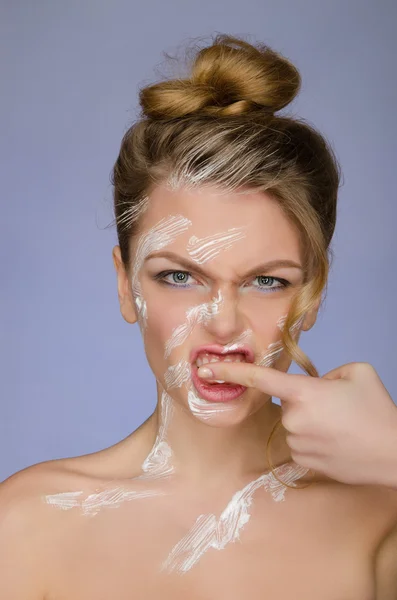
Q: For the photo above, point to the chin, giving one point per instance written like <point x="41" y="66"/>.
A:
<point x="222" y="414"/>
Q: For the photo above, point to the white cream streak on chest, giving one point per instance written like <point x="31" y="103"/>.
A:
<point x="110" y="497"/>
<point x="157" y="465"/>
<point x="203" y="249"/>
<point x="212" y="532"/>
<point x="162" y="234"/>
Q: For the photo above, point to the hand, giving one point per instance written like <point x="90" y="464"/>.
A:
<point x="343" y="424"/>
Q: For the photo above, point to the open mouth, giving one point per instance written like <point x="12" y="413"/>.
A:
<point x="217" y="391"/>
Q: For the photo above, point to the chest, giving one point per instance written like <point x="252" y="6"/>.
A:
<point x="298" y="550"/>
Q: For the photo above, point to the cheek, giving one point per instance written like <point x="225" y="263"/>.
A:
<point x="164" y="317"/>
<point x="265" y="316"/>
<point x="266" y="305"/>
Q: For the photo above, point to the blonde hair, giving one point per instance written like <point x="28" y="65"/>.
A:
<point x="218" y="127"/>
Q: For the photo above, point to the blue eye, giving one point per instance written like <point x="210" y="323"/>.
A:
<point x="179" y="279"/>
<point x="265" y="278"/>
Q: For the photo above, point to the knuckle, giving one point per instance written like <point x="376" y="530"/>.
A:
<point x="363" y="367"/>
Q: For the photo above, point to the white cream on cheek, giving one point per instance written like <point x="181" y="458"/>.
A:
<point x="275" y="349"/>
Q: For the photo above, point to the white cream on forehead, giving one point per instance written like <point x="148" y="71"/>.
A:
<point x="204" y="249"/>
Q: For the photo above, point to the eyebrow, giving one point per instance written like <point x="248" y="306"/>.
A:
<point x="192" y="266"/>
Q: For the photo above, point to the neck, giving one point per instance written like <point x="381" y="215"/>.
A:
<point x="206" y="454"/>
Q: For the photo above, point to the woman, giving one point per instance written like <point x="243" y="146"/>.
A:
<point x="225" y="213"/>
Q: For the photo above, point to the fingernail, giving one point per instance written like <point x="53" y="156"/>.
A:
<point x="205" y="372"/>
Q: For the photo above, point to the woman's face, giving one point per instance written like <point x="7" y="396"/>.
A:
<point x="212" y="243"/>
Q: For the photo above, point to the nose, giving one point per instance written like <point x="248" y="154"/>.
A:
<point x="225" y="321"/>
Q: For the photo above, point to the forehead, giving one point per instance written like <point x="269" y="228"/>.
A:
<point x="211" y="210"/>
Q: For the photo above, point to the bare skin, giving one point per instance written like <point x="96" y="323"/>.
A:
<point x="323" y="541"/>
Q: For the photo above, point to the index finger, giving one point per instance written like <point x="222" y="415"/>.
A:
<point x="287" y="386"/>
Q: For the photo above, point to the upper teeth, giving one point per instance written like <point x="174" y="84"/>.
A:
<point x="208" y="358"/>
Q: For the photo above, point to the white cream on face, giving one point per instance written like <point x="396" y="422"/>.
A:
<point x="274" y="350"/>
<point x="180" y="374"/>
<point x="204" y="249"/>
<point x="177" y="375"/>
<point x="204" y="410"/>
<point x="200" y="408"/>
<point x="162" y="234"/>
<point x="195" y="315"/>
<point x="212" y="532"/>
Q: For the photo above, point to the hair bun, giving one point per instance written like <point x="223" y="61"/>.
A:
<point x="230" y="77"/>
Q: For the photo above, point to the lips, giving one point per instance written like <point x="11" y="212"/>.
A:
<point x="218" y="392"/>
<point x="218" y="349"/>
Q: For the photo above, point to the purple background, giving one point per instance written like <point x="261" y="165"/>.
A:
<point x="74" y="377"/>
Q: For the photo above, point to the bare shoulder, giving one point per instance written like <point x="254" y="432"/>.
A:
<point x="23" y="531"/>
<point x="29" y="527"/>
<point x="24" y="489"/>
<point x="22" y="494"/>
<point x="375" y="507"/>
